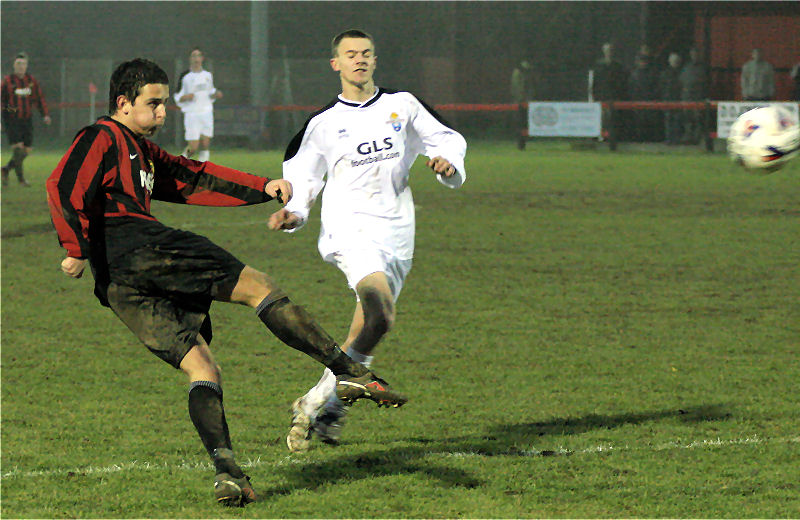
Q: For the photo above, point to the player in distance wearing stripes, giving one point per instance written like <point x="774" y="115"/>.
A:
<point x="161" y="281"/>
<point x="20" y="93"/>
<point x="364" y="141"/>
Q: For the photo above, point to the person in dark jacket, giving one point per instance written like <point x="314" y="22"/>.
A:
<point x="671" y="91"/>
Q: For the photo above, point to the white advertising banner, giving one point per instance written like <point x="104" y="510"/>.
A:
<point x="728" y="111"/>
<point x="564" y="119"/>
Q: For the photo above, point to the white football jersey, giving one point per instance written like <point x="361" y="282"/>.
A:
<point x="201" y="84"/>
<point x="361" y="154"/>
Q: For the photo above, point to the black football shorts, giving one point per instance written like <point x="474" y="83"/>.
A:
<point x="18" y="130"/>
<point x="163" y="291"/>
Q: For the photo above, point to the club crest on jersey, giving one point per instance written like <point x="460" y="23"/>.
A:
<point x="395" y="121"/>
<point x="147" y="178"/>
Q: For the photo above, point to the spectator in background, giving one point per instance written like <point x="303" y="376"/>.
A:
<point x="20" y="92"/>
<point x="608" y="77"/>
<point x="693" y="88"/>
<point x="758" y="79"/>
<point x="644" y="50"/>
<point x="521" y="92"/>
<point x="671" y="91"/>
<point x="795" y="75"/>
<point x="643" y="86"/>
<point x="195" y="97"/>
<point x="521" y="83"/>
<point x="607" y="82"/>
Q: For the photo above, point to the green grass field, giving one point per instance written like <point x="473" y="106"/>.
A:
<point x="584" y="334"/>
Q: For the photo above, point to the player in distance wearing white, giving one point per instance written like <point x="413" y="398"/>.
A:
<point x="365" y="142"/>
<point x="195" y="97"/>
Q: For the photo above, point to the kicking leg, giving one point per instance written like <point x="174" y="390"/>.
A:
<point x="350" y="379"/>
<point x="291" y="323"/>
<point x="295" y="327"/>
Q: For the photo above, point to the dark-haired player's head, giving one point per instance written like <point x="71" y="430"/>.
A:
<point x="20" y="64"/>
<point x="129" y="78"/>
<point x="196" y="58"/>
<point x="138" y="95"/>
<point x="350" y="33"/>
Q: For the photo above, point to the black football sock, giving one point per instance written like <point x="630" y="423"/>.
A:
<point x="208" y="417"/>
<point x="19" y="156"/>
<point x="295" y="327"/>
<point x="225" y="463"/>
<point x="15" y="158"/>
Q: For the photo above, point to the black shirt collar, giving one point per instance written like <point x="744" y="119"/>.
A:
<point x="365" y="104"/>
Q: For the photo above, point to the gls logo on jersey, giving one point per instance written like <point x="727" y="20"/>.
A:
<point x="375" y="152"/>
<point x="368" y="148"/>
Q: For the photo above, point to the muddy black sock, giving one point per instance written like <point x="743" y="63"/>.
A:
<point x="295" y="327"/>
<point x="208" y="417"/>
<point x="225" y="463"/>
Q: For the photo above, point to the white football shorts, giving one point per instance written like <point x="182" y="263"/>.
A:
<point x="196" y="125"/>
<point x="358" y="263"/>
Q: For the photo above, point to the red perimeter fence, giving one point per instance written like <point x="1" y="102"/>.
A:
<point x="612" y="112"/>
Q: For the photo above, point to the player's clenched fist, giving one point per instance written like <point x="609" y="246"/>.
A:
<point x="442" y="166"/>
<point x="279" y="189"/>
<point x="283" y="219"/>
<point x="73" y="266"/>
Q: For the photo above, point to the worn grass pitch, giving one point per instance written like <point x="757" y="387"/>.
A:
<point x="584" y="334"/>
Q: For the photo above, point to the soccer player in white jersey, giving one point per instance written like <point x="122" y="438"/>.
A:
<point x="195" y="97"/>
<point x="364" y="142"/>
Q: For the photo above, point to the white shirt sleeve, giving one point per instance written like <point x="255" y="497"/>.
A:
<point x="181" y="92"/>
<point x="306" y="171"/>
<point x="440" y="140"/>
<point x="213" y="88"/>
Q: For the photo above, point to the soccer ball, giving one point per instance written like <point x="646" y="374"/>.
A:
<point x="764" y="139"/>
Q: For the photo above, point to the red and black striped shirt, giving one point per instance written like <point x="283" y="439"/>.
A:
<point x="20" y="94"/>
<point x="108" y="177"/>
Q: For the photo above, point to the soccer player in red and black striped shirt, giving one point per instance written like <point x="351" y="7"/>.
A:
<point x="161" y="281"/>
<point x="20" y="93"/>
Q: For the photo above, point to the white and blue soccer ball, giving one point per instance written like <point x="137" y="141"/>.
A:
<point x="764" y="139"/>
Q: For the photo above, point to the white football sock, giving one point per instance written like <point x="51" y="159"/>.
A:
<point x="333" y="402"/>
<point x="359" y="357"/>
<point x="315" y="398"/>
<point x="203" y="155"/>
